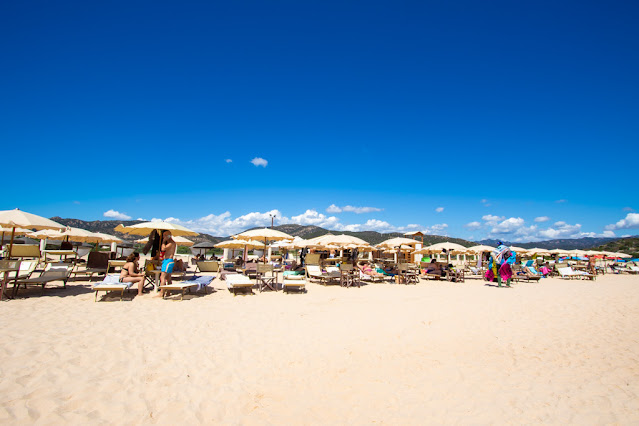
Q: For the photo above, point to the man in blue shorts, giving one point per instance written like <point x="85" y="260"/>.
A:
<point x="167" y="249"/>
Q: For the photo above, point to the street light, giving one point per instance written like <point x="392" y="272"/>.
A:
<point x="273" y="216"/>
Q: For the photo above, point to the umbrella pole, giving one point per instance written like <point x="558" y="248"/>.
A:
<point x="264" y="255"/>
<point x="13" y="233"/>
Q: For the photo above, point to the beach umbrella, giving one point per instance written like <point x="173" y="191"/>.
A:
<point x="106" y="238"/>
<point x="622" y="255"/>
<point x="18" y="219"/>
<point x="451" y="248"/>
<point x="16" y="232"/>
<point x="180" y="241"/>
<point x="266" y="234"/>
<point x="238" y="244"/>
<point x="518" y="250"/>
<point x="395" y="242"/>
<point x="481" y="249"/>
<point x="203" y="246"/>
<point x="338" y="240"/>
<point x="540" y="251"/>
<point x="146" y="228"/>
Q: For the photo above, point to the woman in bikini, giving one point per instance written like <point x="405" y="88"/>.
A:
<point x="129" y="272"/>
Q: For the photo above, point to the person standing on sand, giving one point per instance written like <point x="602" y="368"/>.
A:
<point x="167" y="252"/>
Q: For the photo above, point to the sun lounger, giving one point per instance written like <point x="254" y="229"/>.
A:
<point x="194" y="283"/>
<point x="292" y="281"/>
<point x="53" y="272"/>
<point x="568" y="273"/>
<point x="209" y="266"/>
<point x="236" y="282"/>
<point x="315" y="272"/>
<point x="97" y="263"/>
<point x="111" y="282"/>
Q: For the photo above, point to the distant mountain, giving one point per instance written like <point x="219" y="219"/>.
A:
<point x="371" y="237"/>
<point x="567" y="244"/>
<point x="628" y="245"/>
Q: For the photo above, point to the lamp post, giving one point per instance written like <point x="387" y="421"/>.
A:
<point x="273" y="216"/>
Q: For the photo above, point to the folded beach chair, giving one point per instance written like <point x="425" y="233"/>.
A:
<point x="111" y="282"/>
<point x="53" y="272"/>
<point x="196" y="283"/>
<point x="292" y="281"/>
<point x="408" y="273"/>
<point x="236" y="282"/>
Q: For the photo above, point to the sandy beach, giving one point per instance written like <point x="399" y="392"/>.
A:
<point x="555" y="352"/>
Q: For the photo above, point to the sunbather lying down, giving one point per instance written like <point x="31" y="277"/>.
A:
<point x="368" y="270"/>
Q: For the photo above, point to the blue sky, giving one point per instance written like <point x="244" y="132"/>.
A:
<point x="499" y="112"/>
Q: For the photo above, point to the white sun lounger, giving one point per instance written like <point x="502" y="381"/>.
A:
<point x="297" y="282"/>
<point x="197" y="283"/>
<point x="236" y="282"/>
<point x="111" y="282"/>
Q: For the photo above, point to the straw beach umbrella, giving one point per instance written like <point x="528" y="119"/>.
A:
<point x="146" y="228"/>
<point x="180" y="241"/>
<point x="266" y="234"/>
<point x="18" y="219"/>
<point x="337" y="240"/>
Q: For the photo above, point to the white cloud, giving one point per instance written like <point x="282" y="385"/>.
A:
<point x="436" y="229"/>
<point x="630" y="221"/>
<point x="507" y="226"/>
<point x="563" y="200"/>
<point x="258" y="161"/>
<point x="312" y="217"/>
<point x="542" y="219"/>
<point x="223" y="225"/>
<point x="439" y="209"/>
<point x="492" y="219"/>
<point x="144" y="220"/>
<point x="485" y="202"/>
<point x="562" y="230"/>
<point x="473" y="225"/>
<point x="358" y="210"/>
<point x="113" y="214"/>
<point x="228" y="160"/>
<point x="628" y="209"/>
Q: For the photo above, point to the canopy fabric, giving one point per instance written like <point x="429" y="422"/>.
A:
<point x="106" y="238"/>
<point x="559" y="251"/>
<point x="537" y="250"/>
<point x="451" y="248"/>
<point x="338" y="240"/>
<point x="519" y="250"/>
<point x="240" y="244"/>
<point x="145" y="228"/>
<point x="297" y="243"/>
<point x="18" y="231"/>
<point x="180" y="241"/>
<point x="481" y="249"/>
<point x="18" y="219"/>
<point x="394" y="242"/>
<point x="263" y="234"/>
<point x="70" y="233"/>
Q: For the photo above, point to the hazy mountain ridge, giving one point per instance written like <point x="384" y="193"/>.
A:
<point x="566" y="243"/>
<point x="627" y="245"/>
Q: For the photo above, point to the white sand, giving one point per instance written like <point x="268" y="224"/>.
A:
<point x="554" y="352"/>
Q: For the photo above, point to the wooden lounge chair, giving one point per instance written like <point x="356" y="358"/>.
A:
<point x="194" y="283"/>
<point x="8" y="267"/>
<point x="54" y="272"/>
<point x="111" y="282"/>
<point x="209" y="266"/>
<point x="236" y="282"/>
<point x="97" y="263"/>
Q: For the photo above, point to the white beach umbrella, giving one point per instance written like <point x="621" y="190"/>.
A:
<point x="481" y="249"/>
<point x="338" y="240"/>
<point x="240" y="244"/>
<point x="18" y="219"/>
<point x="180" y="241"/>
<point x="395" y="242"/>
<point x="106" y="238"/>
<point x="451" y="248"/>
<point x="146" y="228"/>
